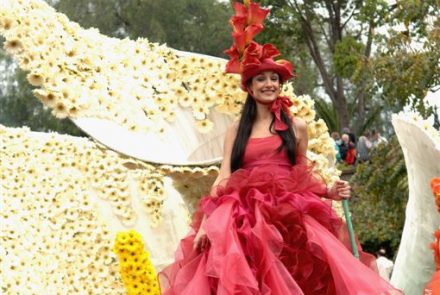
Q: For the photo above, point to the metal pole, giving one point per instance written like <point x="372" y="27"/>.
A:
<point x="350" y="228"/>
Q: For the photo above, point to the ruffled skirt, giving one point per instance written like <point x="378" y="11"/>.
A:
<point x="270" y="233"/>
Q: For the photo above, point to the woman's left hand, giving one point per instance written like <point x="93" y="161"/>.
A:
<point x="340" y="190"/>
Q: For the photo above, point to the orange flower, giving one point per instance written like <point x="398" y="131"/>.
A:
<point x="436" y="248"/>
<point x="255" y="53"/>
<point x="435" y="185"/>
<point x="252" y="31"/>
<point x="247" y="23"/>
<point x="233" y="65"/>
<point x="252" y="54"/>
<point x="256" y="14"/>
<point x="238" y="23"/>
<point x="253" y="12"/>
<point x="239" y="41"/>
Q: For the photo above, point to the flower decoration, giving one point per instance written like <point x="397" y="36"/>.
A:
<point x="136" y="270"/>
<point x="138" y="84"/>
<point x="246" y="24"/>
<point x="50" y="223"/>
<point x="433" y="286"/>
<point x="247" y="57"/>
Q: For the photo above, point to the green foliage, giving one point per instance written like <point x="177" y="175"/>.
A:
<point x="380" y="196"/>
<point x="189" y="25"/>
<point x="348" y="53"/>
<point x="406" y="66"/>
<point x="406" y="75"/>
<point x="325" y="111"/>
<point x="286" y="35"/>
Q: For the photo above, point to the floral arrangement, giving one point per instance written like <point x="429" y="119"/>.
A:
<point x="138" y="84"/>
<point x="136" y="270"/>
<point x="434" y="286"/>
<point x="435" y="186"/>
<point x="50" y="225"/>
<point x="49" y="181"/>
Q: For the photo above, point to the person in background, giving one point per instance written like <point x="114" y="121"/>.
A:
<point x="377" y="138"/>
<point x="350" y="134"/>
<point x="363" y="148"/>
<point x="337" y="142"/>
<point x="384" y="264"/>
<point x="349" y="150"/>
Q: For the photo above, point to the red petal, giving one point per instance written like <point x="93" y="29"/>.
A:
<point x="247" y="60"/>
<point x="240" y="9"/>
<point x="437" y="234"/>
<point x="232" y="52"/>
<point x="256" y="14"/>
<point x="254" y="49"/>
<point x="233" y="66"/>
<point x="287" y="64"/>
<point x="239" y="40"/>
<point x="269" y="51"/>
<point x="238" y="23"/>
<point x="435" y="185"/>
<point x="252" y="31"/>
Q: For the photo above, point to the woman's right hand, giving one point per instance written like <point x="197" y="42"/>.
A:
<point x="201" y="240"/>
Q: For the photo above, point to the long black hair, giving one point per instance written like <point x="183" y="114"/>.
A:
<point x="247" y="120"/>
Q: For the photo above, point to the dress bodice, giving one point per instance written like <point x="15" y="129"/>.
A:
<point x="263" y="151"/>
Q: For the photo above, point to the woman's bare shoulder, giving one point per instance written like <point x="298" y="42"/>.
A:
<point x="299" y="125"/>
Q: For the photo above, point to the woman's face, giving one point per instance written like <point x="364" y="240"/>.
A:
<point x="265" y="86"/>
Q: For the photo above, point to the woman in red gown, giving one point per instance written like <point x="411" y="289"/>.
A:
<point x="264" y="228"/>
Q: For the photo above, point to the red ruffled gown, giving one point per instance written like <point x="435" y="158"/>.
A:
<point x="270" y="233"/>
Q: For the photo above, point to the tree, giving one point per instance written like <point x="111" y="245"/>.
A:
<point x="189" y="25"/>
<point x="407" y="65"/>
<point x="340" y="37"/>
<point x="380" y="194"/>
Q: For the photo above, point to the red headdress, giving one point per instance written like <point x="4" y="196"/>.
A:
<point x="248" y="58"/>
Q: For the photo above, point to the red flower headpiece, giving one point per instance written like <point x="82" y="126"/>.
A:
<point x="247" y="57"/>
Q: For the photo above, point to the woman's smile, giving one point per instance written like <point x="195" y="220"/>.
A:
<point x="265" y="86"/>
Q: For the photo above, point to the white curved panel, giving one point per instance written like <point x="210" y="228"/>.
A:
<point x="179" y="144"/>
<point x="414" y="263"/>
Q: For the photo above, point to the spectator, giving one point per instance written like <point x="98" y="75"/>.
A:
<point x="384" y="265"/>
<point x="363" y="148"/>
<point x="348" y="150"/>
<point x="343" y="146"/>
<point x="350" y="134"/>
<point x="377" y="138"/>
<point x="337" y="142"/>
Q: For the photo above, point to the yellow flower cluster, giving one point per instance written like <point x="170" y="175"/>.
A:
<point x="151" y="188"/>
<point x="138" y="84"/>
<point x="191" y="182"/>
<point x="136" y="270"/>
<point x="50" y="223"/>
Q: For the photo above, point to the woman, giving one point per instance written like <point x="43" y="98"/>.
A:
<point x="264" y="228"/>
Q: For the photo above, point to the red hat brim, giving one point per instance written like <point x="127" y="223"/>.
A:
<point x="284" y="69"/>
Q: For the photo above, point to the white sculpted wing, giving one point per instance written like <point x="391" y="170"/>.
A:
<point x="414" y="264"/>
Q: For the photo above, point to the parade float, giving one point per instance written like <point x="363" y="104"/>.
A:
<point x="156" y="119"/>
